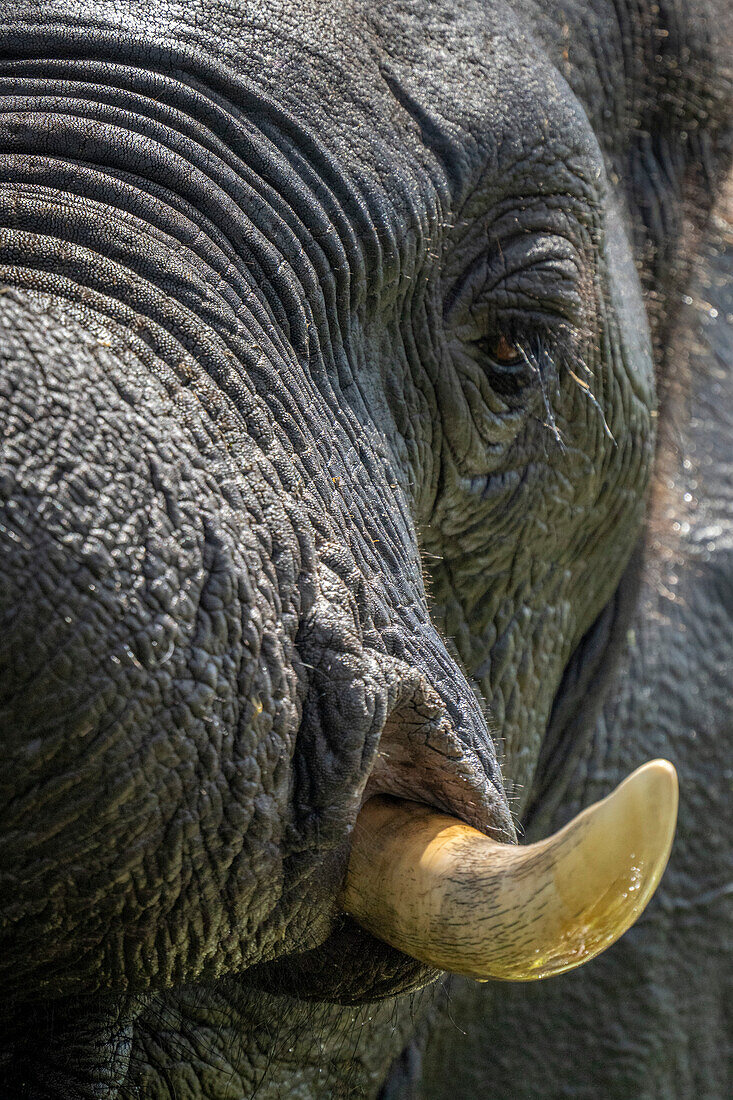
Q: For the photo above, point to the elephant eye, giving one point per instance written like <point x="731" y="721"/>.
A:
<point x="503" y="351"/>
<point x="510" y="365"/>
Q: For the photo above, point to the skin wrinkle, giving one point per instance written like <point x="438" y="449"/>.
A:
<point x="672" y="697"/>
<point x="286" y="304"/>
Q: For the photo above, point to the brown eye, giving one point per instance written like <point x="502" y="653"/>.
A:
<point x="506" y="364"/>
<point x="504" y="352"/>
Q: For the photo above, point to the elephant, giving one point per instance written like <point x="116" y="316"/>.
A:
<point x="337" y="342"/>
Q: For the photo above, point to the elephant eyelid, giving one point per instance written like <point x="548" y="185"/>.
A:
<point x="540" y="341"/>
<point x="530" y="282"/>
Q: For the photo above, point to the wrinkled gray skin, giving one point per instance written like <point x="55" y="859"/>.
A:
<point x="279" y="522"/>
<point x="651" y="1018"/>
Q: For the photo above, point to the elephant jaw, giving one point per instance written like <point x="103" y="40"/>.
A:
<point x="440" y="891"/>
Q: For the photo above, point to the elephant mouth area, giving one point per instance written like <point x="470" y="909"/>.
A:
<point x="422" y="763"/>
<point x="351" y="967"/>
<point x="421" y="758"/>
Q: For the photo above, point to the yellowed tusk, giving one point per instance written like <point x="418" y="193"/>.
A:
<point x="444" y="893"/>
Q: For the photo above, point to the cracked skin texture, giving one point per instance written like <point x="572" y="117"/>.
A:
<point x="275" y="519"/>
<point x="654" y="1009"/>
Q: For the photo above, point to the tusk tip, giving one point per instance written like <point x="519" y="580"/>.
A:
<point x="605" y="883"/>
<point x="643" y="809"/>
<point x="659" y="778"/>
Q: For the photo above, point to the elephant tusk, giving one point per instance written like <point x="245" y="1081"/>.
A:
<point x="444" y="893"/>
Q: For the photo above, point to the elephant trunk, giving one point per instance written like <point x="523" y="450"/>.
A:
<point x="441" y="891"/>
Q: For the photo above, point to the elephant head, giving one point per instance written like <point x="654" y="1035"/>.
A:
<point x="327" y="416"/>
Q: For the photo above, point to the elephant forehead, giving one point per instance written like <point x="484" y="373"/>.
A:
<point x="466" y="90"/>
<point x="344" y="140"/>
<point x="466" y="84"/>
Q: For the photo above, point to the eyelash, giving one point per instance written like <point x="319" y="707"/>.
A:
<point x="542" y="371"/>
<point x="535" y="358"/>
<point x="541" y="356"/>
